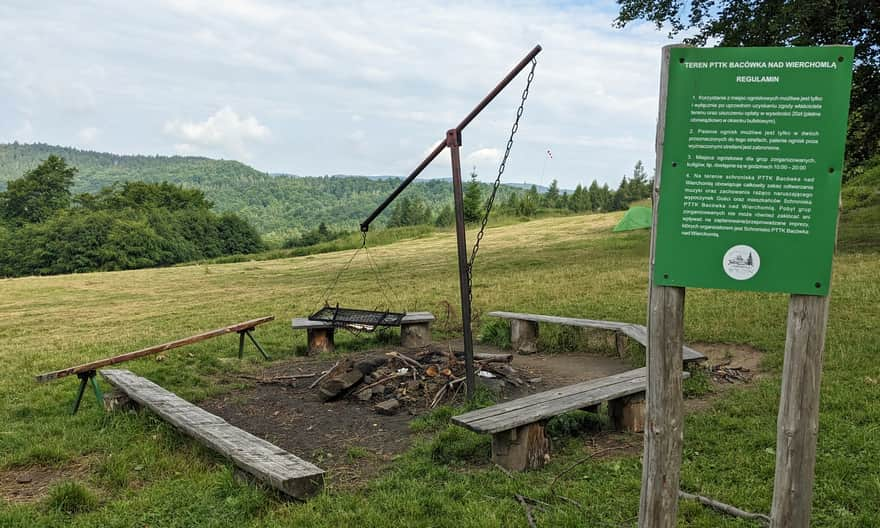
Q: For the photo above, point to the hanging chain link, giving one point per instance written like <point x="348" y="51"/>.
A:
<point x="491" y="200"/>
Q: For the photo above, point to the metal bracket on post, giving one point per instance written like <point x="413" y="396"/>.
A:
<point x="453" y="141"/>
<point x="86" y="378"/>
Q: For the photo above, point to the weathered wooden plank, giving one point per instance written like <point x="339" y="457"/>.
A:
<point x="546" y="409"/>
<point x="540" y="397"/>
<point x="664" y="427"/>
<point x="94" y="365"/>
<point x="637" y="332"/>
<point x="264" y="460"/>
<point x="568" y="321"/>
<point x="797" y="425"/>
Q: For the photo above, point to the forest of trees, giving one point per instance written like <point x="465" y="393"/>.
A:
<point x="46" y="229"/>
<point x="280" y="207"/>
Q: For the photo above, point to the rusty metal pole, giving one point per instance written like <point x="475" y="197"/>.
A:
<point x="453" y="141"/>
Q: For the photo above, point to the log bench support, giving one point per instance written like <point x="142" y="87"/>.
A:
<point x="415" y="335"/>
<point x="524" y="336"/>
<point x="628" y="413"/>
<point x="320" y="340"/>
<point x="521" y="448"/>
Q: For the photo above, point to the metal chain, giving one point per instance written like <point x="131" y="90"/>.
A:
<point x="332" y="285"/>
<point x="491" y="200"/>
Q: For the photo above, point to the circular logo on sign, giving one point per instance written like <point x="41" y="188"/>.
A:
<point x="741" y="262"/>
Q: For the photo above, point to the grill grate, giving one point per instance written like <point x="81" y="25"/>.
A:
<point x="362" y="319"/>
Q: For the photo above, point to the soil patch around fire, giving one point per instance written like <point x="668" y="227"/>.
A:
<point x="32" y="483"/>
<point x="346" y="436"/>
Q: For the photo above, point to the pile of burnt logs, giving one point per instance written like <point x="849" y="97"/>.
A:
<point x="423" y="379"/>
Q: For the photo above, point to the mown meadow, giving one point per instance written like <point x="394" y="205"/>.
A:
<point x="133" y="470"/>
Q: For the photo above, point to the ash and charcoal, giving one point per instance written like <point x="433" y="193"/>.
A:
<point x="394" y="381"/>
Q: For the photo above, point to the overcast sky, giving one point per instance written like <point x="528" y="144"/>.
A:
<point x="315" y="88"/>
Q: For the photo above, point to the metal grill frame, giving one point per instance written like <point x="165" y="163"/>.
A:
<point x="343" y="317"/>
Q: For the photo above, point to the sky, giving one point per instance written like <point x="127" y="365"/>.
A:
<point x="314" y="88"/>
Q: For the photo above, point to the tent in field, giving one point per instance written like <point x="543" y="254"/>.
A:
<point x="635" y="218"/>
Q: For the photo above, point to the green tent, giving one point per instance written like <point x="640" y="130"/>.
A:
<point x="635" y="218"/>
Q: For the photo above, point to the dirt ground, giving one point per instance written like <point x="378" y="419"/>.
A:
<point x="346" y="435"/>
<point x="31" y="484"/>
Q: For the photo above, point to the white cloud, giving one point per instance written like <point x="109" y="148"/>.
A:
<point x="226" y="130"/>
<point x="88" y="135"/>
<point x="483" y="156"/>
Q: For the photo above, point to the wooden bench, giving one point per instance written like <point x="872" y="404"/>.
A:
<point x="86" y="371"/>
<point x="517" y="426"/>
<point x="253" y="455"/>
<point x="415" y="332"/>
<point x="524" y="332"/>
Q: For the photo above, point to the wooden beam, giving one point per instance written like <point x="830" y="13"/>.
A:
<point x="797" y="426"/>
<point x="240" y="327"/>
<point x="265" y="461"/>
<point x="661" y="467"/>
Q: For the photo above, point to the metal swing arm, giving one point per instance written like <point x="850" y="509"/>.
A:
<point x="365" y="225"/>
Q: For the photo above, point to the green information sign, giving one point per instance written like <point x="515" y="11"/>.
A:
<point x="752" y="158"/>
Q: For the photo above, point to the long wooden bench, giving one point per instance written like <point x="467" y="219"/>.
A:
<point x="524" y="332"/>
<point x="257" y="457"/>
<point x="415" y="332"/>
<point x="86" y="371"/>
<point x="517" y="426"/>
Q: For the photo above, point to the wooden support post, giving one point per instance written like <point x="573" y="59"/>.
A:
<point x="117" y="400"/>
<point x="415" y="335"/>
<point x="524" y="336"/>
<point x="621" y="344"/>
<point x="320" y="340"/>
<point x="628" y="413"/>
<point x="664" y="427"/>
<point x="797" y="426"/>
<point x="526" y="447"/>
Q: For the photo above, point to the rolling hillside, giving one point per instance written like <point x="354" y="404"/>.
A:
<point x="278" y="206"/>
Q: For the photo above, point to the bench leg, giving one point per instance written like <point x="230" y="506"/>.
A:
<point x="117" y="400"/>
<point x="416" y="335"/>
<point x="320" y="340"/>
<point x="628" y="413"/>
<point x="526" y="447"/>
<point x="86" y="378"/>
<point x="524" y="336"/>
<point x="621" y="343"/>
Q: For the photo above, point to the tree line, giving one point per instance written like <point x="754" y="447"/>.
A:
<point x="46" y="229"/>
<point x="412" y="210"/>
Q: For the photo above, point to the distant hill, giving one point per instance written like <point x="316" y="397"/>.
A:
<point x="277" y="205"/>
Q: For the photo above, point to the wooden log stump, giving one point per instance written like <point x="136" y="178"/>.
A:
<point x="415" y="335"/>
<point x="621" y="343"/>
<point x="320" y="340"/>
<point x="526" y="447"/>
<point x="524" y="336"/>
<point x="117" y="400"/>
<point x="628" y="413"/>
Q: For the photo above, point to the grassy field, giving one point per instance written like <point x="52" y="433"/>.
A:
<point x="132" y="470"/>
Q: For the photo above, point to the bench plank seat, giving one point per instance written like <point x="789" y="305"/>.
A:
<point x="545" y="405"/>
<point x="636" y="332"/>
<point x="261" y="459"/>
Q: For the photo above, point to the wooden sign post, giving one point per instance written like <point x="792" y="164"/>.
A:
<point x="749" y="156"/>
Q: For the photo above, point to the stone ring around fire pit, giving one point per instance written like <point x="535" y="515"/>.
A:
<point x="415" y="332"/>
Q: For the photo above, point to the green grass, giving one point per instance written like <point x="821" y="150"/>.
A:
<point x="143" y="473"/>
